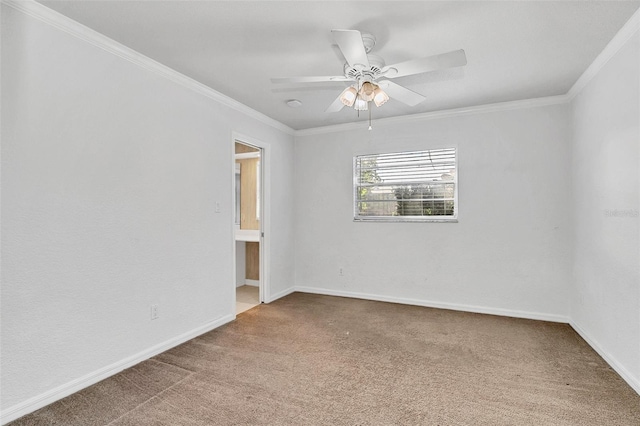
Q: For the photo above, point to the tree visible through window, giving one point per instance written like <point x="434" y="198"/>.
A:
<point x="406" y="186"/>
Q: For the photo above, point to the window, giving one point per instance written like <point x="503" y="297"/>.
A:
<point x="406" y="186"/>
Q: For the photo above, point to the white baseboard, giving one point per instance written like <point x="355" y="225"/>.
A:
<point x="67" y="389"/>
<point x="634" y="382"/>
<point x="76" y="385"/>
<point x="280" y="294"/>
<point x="621" y="370"/>
<point x="252" y="283"/>
<point x="440" y="305"/>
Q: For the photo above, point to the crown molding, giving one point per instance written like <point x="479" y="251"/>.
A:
<point x="404" y="119"/>
<point x="627" y="31"/>
<point x="82" y="32"/>
<point x="57" y="20"/>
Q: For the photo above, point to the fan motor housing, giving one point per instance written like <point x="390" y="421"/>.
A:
<point x="376" y="63"/>
<point x="368" y="41"/>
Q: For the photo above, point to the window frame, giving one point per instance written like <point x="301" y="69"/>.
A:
<point x="442" y="219"/>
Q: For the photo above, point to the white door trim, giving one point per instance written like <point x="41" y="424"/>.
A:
<point x="265" y="212"/>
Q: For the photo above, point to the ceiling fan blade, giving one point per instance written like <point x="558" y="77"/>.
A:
<point x="352" y="47"/>
<point x="336" y="106"/>
<point x="402" y="94"/>
<point x="457" y="58"/>
<point x="319" y="79"/>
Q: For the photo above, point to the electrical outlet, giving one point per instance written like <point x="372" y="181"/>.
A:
<point x="217" y="206"/>
<point x="154" y="312"/>
<point x="340" y="272"/>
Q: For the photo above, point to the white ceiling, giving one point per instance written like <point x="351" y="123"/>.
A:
<point x="515" y="49"/>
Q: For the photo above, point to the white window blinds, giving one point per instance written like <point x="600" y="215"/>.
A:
<point x="406" y="186"/>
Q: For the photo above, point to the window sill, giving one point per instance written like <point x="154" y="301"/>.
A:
<point x="408" y="219"/>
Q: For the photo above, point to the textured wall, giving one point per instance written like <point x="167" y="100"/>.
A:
<point x="606" y="187"/>
<point x="110" y="178"/>
<point x="510" y="250"/>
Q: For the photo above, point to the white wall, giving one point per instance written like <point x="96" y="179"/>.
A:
<point x="110" y="174"/>
<point x="241" y="263"/>
<point x="510" y="251"/>
<point x="605" y="303"/>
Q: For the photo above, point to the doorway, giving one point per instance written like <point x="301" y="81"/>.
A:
<point x="248" y="230"/>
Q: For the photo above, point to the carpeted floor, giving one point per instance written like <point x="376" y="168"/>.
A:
<point x="320" y="360"/>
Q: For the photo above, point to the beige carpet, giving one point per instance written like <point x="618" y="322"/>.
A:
<point x="319" y="360"/>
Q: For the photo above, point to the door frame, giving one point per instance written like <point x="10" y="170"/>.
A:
<point x="265" y="212"/>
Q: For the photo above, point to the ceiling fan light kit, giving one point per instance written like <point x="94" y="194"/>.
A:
<point x="379" y="96"/>
<point x="367" y="70"/>
<point x="348" y="96"/>
<point x="366" y="91"/>
<point x="359" y="99"/>
<point x="361" y="105"/>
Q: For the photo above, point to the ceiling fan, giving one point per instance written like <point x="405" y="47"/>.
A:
<point x="370" y="75"/>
